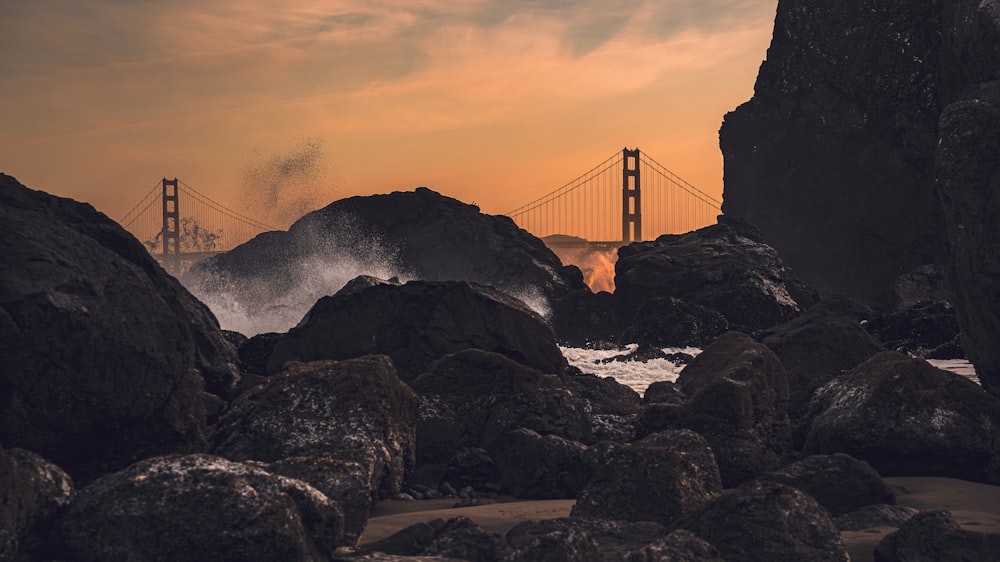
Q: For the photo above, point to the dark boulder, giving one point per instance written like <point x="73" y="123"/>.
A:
<point x="664" y="392"/>
<point x="474" y="398"/>
<point x="462" y="539"/>
<point x="968" y="181"/>
<point x="472" y="467"/>
<point x="416" y="234"/>
<point x="605" y="394"/>
<point x="693" y="445"/>
<point x="875" y="515"/>
<point x="611" y="540"/>
<point x="934" y="535"/>
<point x="417" y="323"/>
<point x="544" y="467"/>
<point x="738" y="402"/>
<point x="726" y="267"/>
<point x="839" y="482"/>
<point x="907" y="418"/>
<point x="673" y="322"/>
<point x="678" y="546"/>
<point x="646" y="482"/>
<point x="349" y="410"/>
<point x="581" y="317"/>
<point x="255" y="352"/>
<point x="833" y="158"/>
<point x="32" y="491"/>
<point x="105" y="355"/>
<point x="917" y="330"/>
<point x="551" y="540"/>
<point x="767" y="521"/>
<point x="198" y="507"/>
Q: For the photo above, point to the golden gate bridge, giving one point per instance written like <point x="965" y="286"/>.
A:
<point x="627" y="196"/>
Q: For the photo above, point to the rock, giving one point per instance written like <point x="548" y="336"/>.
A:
<point x="693" y="446"/>
<point x="255" y="352"/>
<point x="907" y="418"/>
<point x="664" y="392"/>
<point x="582" y="317"/>
<point x="858" y="84"/>
<point x="738" y="402"/>
<point x="611" y="539"/>
<point x="645" y="482"/>
<point x="462" y="539"/>
<point x="824" y="342"/>
<point x="408" y="541"/>
<point x="473" y="398"/>
<point x="917" y="330"/>
<point x="416" y="234"/>
<point x="551" y="540"/>
<point x="725" y="267"/>
<point x="474" y="468"/>
<point x="877" y="515"/>
<point x="199" y="507"/>
<point x="605" y="394"/>
<point x="105" y="354"/>
<point x="32" y="491"/>
<point x="767" y="521"/>
<point x="346" y="482"/>
<point x="678" y="546"/>
<point x="839" y="482"/>
<point x="967" y="180"/>
<point x="355" y="410"/>
<point x="543" y="467"/>
<point x="934" y="535"/>
<point x="417" y="323"/>
<point x="673" y="322"/>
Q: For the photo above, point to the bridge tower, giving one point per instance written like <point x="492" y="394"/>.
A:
<point x="631" y="200"/>
<point x="170" y="234"/>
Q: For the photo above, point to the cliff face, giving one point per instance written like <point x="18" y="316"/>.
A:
<point x="834" y="157"/>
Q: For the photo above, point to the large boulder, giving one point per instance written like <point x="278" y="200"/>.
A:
<point x="417" y="323"/>
<point x="198" y="507"/>
<point x="105" y="355"/>
<point x="355" y="410"/>
<point x="673" y="322"/>
<point x="738" y="401"/>
<point x="921" y="330"/>
<point x="934" y="535"/>
<point x="833" y="158"/>
<point x="968" y="181"/>
<point x="32" y="491"/>
<point x="907" y="418"/>
<point x="839" y="482"/>
<point x="767" y="521"/>
<point x="544" y="467"/>
<point x="416" y="234"/>
<point x="726" y="267"/>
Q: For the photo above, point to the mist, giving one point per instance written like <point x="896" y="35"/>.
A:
<point x="278" y="188"/>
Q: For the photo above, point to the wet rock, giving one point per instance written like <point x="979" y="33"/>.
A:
<point x="462" y="539"/>
<point x="738" y="402"/>
<point x="767" y="521"/>
<point x="417" y="323"/>
<point x="678" y="546"/>
<point x="917" y="330"/>
<point x="934" y="535"/>
<point x="664" y="392"/>
<point x="605" y="394"/>
<point x="411" y="540"/>
<point x="967" y="180"/>
<point x="839" y="482"/>
<point x="692" y="445"/>
<point x="199" y="507"/>
<point x="255" y="352"/>
<point x="105" y="354"/>
<point x="474" y="468"/>
<point x="543" y="467"/>
<point x="726" y="267"/>
<point x="673" y="322"/>
<point x="355" y="410"/>
<point x="32" y="491"/>
<point x="907" y="418"/>
<point x="877" y="515"/>
<point x="551" y="541"/>
<point x="582" y="317"/>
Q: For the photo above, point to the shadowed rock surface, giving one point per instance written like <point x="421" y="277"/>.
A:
<point x="543" y="467"/>
<point x="673" y="322"/>
<point x="934" y="535"/>
<point x="105" y="356"/>
<point x="839" y="482"/>
<point x="32" y="491"/>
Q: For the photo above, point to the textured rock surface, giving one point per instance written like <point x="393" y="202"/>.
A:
<point x="350" y="410"/>
<point x="726" y="267"/>
<point x="907" y="418"/>
<point x="673" y="322"/>
<point x="417" y="323"/>
<point x="543" y="467"/>
<point x="105" y="355"/>
<point x="833" y="157"/>
<point x="969" y="183"/>
<point x="839" y="482"/>
<point x="678" y="546"/>
<point x="199" y="507"/>
<point x="32" y="491"/>
<point x="934" y="535"/>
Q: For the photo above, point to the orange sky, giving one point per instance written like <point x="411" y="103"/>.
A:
<point x="489" y="102"/>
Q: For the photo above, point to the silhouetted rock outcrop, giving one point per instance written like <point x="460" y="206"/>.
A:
<point x="907" y="418"/>
<point x="105" y="356"/>
<point x="673" y="322"/>
<point x="833" y="158"/>
<point x="417" y="323"/>
<point x="199" y="507"/>
<point x="726" y="267"/>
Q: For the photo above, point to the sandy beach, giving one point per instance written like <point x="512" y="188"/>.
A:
<point x="974" y="506"/>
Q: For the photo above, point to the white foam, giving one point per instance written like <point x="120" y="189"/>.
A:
<point x="637" y="375"/>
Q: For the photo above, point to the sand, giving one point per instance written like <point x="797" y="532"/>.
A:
<point x="974" y="506"/>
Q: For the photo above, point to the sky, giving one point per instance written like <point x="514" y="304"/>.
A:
<point x="495" y="103"/>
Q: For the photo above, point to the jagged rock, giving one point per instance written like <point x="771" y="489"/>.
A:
<point x="605" y="394"/>
<point x="726" y="267"/>
<point x="582" y="317"/>
<point x="462" y="539"/>
<point x="767" y="521"/>
<point x="877" y="515"/>
<point x="255" y="352"/>
<point x="833" y="158"/>
<point x="551" y="540"/>
<point x="198" y="507"/>
<point x="664" y="392"/>
<point x="417" y="323"/>
<point x="967" y="179"/>
<point x="32" y="491"/>
<point x="738" y="402"/>
<point x="917" y="330"/>
<point x="934" y="535"/>
<point x="839" y="482"/>
<point x="646" y="482"/>
<point x="611" y="539"/>
<point x="350" y="410"/>
<point x="543" y="467"/>
<point x="824" y="342"/>
<point x="673" y="322"/>
<point x="416" y="234"/>
<point x="678" y="546"/>
<point x="105" y="355"/>
<point x="473" y="398"/>
<point x="346" y="482"/>
<point x="907" y="418"/>
<point x="693" y="445"/>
